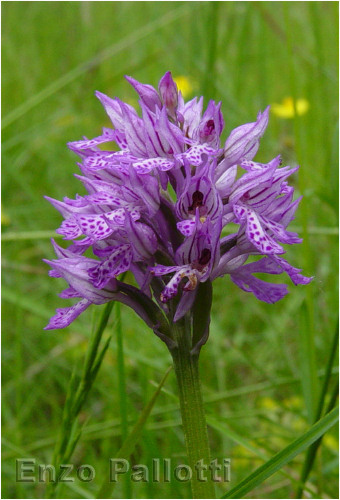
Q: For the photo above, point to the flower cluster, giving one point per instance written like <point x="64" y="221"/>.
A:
<point x="170" y="207"/>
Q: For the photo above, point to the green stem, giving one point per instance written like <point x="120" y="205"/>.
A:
<point x="192" y="411"/>
<point x="122" y="390"/>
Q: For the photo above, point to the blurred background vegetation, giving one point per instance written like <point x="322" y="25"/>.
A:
<point x="262" y="367"/>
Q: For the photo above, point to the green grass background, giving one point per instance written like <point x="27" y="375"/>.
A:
<point x="262" y="366"/>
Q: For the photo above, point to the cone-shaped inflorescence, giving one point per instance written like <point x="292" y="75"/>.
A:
<point x="160" y="204"/>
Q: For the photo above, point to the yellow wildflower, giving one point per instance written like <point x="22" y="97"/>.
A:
<point x="185" y="85"/>
<point x="286" y="108"/>
<point x="5" y="220"/>
<point x="331" y="442"/>
<point x="268" y="403"/>
<point x="294" y="402"/>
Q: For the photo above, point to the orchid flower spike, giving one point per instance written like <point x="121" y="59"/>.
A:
<point x="174" y="207"/>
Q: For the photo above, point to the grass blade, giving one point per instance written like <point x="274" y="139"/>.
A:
<point x="130" y="442"/>
<point x="283" y="457"/>
<point x="328" y="372"/>
<point x="311" y="454"/>
<point x="76" y="397"/>
<point x="241" y="440"/>
<point x="121" y="375"/>
<point x="122" y="390"/>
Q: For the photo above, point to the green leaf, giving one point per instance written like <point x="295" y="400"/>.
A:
<point x="76" y="396"/>
<point x="311" y="454"/>
<point x="283" y="457"/>
<point x="123" y="395"/>
<point x="95" y="341"/>
<point x="130" y="442"/>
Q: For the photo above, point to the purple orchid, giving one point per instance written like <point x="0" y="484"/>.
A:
<point x="131" y="221"/>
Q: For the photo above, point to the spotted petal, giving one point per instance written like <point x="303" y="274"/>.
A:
<point x="107" y="160"/>
<point x="118" y="262"/>
<point x="194" y="154"/>
<point x="146" y="166"/>
<point x="100" y="227"/>
<point x="162" y="270"/>
<point x="280" y="232"/>
<point x="65" y="316"/>
<point x="107" y="135"/>
<point x="186" y="227"/>
<point x="69" y="293"/>
<point x="255" y="232"/>
<point x="171" y="288"/>
<point x="103" y="198"/>
<point x="69" y="229"/>
<point x="94" y="226"/>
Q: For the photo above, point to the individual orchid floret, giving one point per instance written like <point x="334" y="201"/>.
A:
<point x="244" y="141"/>
<point x="211" y="125"/>
<point x="196" y="258"/>
<point x="190" y="114"/>
<point x="173" y="207"/>
<point x="259" y="204"/>
<point x="74" y="270"/>
<point x="199" y="197"/>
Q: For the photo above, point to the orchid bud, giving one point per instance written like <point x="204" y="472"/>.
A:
<point x="169" y="93"/>
<point x="146" y="92"/>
